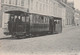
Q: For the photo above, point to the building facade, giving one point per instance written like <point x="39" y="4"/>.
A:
<point x="70" y="15"/>
<point x="9" y="5"/>
<point x="44" y="7"/>
<point x="77" y="17"/>
<point x="63" y="6"/>
<point x="71" y="11"/>
<point x="68" y="18"/>
<point x="71" y="4"/>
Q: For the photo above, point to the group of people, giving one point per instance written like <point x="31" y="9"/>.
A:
<point x="12" y="25"/>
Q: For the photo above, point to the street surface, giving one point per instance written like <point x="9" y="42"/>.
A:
<point x="65" y="43"/>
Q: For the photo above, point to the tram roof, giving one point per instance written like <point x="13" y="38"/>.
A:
<point x="16" y="12"/>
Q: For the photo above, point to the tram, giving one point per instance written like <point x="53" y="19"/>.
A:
<point x="28" y="24"/>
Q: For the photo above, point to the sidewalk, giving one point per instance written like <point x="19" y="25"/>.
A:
<point x="69" y="27"/>
<point x="1" y="33"/>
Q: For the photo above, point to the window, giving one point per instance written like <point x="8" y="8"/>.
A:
<point x="27" y="18"/>
<point x="9" y="1"/>
<point x="13" y="1"/>
<point x="28" y="2"/>
<point x="31" y="2"/>
<point x="16" y="2"/>
<point x="2" y="1"/>
<point x="46" y="1"/>
<point x="6" y="1"/>
<point x="22" y="2"/>
<point x="36" y="6"/>
<point x="64" y="1"/>
<point x="40" y="8"/>
<point x="23" y="19"/>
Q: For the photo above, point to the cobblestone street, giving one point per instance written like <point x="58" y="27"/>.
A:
<point x="66" y="42"/>
<point x="39" y="27"/>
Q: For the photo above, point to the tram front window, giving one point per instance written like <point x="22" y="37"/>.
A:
<point x="18" y="20"/>
<point x="20" y="24"/>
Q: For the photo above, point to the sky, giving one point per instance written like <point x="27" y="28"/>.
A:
<point x="76" y="3"/>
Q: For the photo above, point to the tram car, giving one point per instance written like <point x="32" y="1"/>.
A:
<point x="29" y="24"/>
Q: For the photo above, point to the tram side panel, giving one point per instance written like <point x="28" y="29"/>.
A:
<point x="39" y="24"/>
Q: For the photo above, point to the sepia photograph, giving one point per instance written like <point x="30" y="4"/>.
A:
<point x="39" y="27"/>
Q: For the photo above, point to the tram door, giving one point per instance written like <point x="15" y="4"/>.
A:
<point x="58" y="25"/>
<point x="52" y="25"/>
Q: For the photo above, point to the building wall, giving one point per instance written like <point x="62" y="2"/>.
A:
<point x="19" y="3"/>
<point x="44" y="7"/>
<point x="0" y="15"/>
<point x="63" y="7"/>
<point x="6" y="8"/>
<point x="69" y="15"/>
<point x="64" y="17"/>
<point x="0" y="4"/>
<point x="64" y="1"/>
<point x="77" y="17"/>
<point x="71" y="4"/>
<point x="8" y="5"/>
<point x="0" y="19"/>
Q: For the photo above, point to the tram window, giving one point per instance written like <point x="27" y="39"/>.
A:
<point x="37" y="18"/>
<point x="27" y="19"/>
<point x="33" y="19"/>
<point x="46" y="19"/>
<point x="19" y="17"/>
<point x="57" y="21"/>
<point x="15" y="18"/>
<point x="42" y="17"/>
<point x="36" y="21"/>
<point x="23" y="19"/>
<point x="11" y="18"/>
